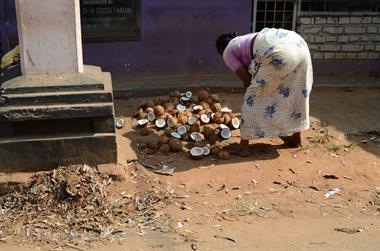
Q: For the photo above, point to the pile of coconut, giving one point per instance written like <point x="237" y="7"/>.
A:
<point x="187" y="122"/>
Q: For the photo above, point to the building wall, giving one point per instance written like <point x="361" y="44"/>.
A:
<point x="341" y="37"/>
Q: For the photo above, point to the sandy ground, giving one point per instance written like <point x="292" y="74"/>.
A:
<point x="273" y="200"/>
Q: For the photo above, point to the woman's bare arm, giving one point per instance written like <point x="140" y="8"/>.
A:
<point x="244" y="75"/>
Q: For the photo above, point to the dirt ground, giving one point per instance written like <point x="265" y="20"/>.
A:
<point x="275" y="199"/>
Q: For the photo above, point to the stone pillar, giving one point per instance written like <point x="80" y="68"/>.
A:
<point x="49" y="36"/>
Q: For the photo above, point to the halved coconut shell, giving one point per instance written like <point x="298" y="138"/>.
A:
<point x="158" y="110"/>
<point x="206" y="151"/>
<point x="235" y="123"/>
<point x="175" y="134"/>
<point x="120" y="123"/>
<point x="223" y="126"/>
<point x="189" y="94"/>
<point x="181" y="108"/>
<point x="142" y="122"/>
<point x="226" y="110"/>
<point x="184" y="99"/>
<point x="192" y="120"/>
<point x="197" y="137"/>
<point x="160" y="123"/>
<point x="197" y="108"/>
<point x="205" y="119"/>
<point x="181" y="130"/>
<point x="225" y="133"/>
<point x="171" y="122"/>
<point x="197" y="152"/>
<point x="151" y="116"/>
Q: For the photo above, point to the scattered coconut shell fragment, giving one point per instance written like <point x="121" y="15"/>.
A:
<point x="142" y="122"/>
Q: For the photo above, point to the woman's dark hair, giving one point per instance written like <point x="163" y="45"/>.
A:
<point x="223" y="40"/>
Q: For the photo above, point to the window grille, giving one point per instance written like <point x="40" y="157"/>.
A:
<point x="340" y="5"/>
<point x="274" y="14"/>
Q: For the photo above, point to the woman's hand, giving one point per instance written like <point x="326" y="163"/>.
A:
<point x="244" y="75"/>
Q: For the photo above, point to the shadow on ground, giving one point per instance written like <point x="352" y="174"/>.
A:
<point x="350" y="112"/>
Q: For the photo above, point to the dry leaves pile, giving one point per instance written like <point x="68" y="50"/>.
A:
<point x="73" y="205"/>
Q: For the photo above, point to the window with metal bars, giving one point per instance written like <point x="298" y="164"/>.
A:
<point x="274" y="14"/>
<point x="340" y="5"/>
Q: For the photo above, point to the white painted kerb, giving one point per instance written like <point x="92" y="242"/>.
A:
<point x="49" y="36"/>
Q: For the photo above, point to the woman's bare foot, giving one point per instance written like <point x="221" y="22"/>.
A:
<point x="293" y="140"/>
<point x="241" y="149"/>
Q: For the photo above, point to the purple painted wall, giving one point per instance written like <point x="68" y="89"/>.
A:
<point x="177" y="38"/>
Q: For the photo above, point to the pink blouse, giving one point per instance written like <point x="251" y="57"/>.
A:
<point x="238" y="52"/>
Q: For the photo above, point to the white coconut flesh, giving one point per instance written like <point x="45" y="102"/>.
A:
<point x="235" y="122"/>
<point x="181" y="108"/>
<point x="188" y="94"/>
<point x="175" y="135"/>
<point x="197" y="151"/>
<point x="182" y="130"/>
<point x="223" y="126"/>
<point x="120" y="123"/>
<point x="160" y="123"/>
<point x="185" y="99"/>
<point x="205" y="119"/>
<point x="151" y="117"/>
<point x="197" y="108"/>
<point x="142" y="122"/>
<point x="225" y="133"/>
<point x="225" y="110"/>
<point x="206" y="151"/>
<point x="192" y="120"/>
<point x="196" y="136"/>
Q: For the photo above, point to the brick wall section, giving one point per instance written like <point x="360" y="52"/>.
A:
<point x="341" y="37"/>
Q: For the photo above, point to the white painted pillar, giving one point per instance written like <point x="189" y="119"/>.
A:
<point x="49" y="36"/>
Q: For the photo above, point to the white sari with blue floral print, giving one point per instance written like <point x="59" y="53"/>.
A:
<point x="277" y="101"/>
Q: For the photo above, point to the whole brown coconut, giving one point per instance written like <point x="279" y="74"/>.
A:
<point x="140" y="114"/>
<point x="218" y="118"/>
<point x="175" y="145"/>
<point x="152" y="144"/>
<point x="149" y="109"/>
<point x="215" y="97"/>
<point x="216" y="107"/>
<point x="194" y="128"/>
<point x="169" y="107"/>
<point x="158" y="110"/>
<point x="175" y="94"/>
<point x="209" y="100"/>
<point x="194" y="99"/>
<point x="215" y="150"/>
<point x="208" y="130"/>
<point x="150" y="103"/>
<point x="145" y="131"/>
<point x="182" y="118"/>
<point x="186" y="137"/>
<point x="223" y="154"/>
<point x="203" y="95"/>
<point x="188" y="114"/>
<point x="213" y="139"/>
<point x="163" y="139"/>
<point x="226" y="118"/>
<point x="205" y="105"/>
<point x="165" y="148"/>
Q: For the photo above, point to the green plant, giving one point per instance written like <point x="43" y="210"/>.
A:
<point x="335" y="148"/>
<point x="321" y="138"/>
